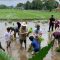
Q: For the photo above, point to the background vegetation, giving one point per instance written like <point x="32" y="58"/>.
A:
<point x="27" y="14"/>
<point x="35" y="5"/>
<point x="5" y="56"/>
<point x="37" y="9"/>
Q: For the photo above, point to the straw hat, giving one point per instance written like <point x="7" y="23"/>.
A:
<point x="24" y="24"/>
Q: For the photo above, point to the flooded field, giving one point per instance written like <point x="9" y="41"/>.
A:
<point x="15" y="45"/>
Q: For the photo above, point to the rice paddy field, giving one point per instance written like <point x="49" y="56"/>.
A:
<point x="16" y="14"/>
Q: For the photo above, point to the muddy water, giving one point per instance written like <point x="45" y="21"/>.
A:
<point x="15" y="47"/>
<point x="44" y="27"/>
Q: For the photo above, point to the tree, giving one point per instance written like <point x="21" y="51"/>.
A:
<point x="51" y="4"/>
<point x="37" y="4"/>
<point x="27" y="5"/>
<point x="33" y="5"/>
<point x="19" y="5"/>
<point x="10" y="7"/>
<point x="3" y="7"/>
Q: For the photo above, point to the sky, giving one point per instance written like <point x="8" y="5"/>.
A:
<point x="12" y="2"/>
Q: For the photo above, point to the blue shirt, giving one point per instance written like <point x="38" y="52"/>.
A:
<point x="35" y="44"/>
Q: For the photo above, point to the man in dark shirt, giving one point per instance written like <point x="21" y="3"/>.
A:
<point x="51" y="23"/>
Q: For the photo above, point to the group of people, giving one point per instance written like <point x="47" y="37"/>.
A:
<point x="23" y="33"/>
<point x="53" y="23"/>
<point x="56" y="34"/>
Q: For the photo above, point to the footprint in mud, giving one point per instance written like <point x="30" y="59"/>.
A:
<point x="23" y="54"/>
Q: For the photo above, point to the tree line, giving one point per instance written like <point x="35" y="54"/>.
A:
<point x="35" y="5"/>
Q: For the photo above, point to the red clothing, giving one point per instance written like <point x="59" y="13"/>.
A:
<point x="57" y="24"/>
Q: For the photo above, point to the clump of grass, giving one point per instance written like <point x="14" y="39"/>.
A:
<point x="5" y="56"/>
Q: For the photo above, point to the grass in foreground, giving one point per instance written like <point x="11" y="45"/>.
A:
<point x="26" y="14"/>
<point x="5" y="56"/>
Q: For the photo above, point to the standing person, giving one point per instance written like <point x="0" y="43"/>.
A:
<point x="16" y="30"/>
<point x="23" y="34"/>
<point x="7" y="38"/>
<point x="51" y="23"/>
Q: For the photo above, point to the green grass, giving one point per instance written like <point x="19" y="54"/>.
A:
<point x="5" y="56"/>
<point x="27" y="14"/>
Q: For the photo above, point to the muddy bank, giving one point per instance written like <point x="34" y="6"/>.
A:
<point x="23" y="20"/>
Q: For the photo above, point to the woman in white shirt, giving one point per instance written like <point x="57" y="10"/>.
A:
<point x="7" y="37"/>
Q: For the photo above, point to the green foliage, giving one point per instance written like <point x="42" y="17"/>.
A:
<point x="41" y="39"/>
<point x="19" y="5"/>
<point x="5" y="56"/>
<point x="42" y="53"/>
<point x="27" y="5"/>
<point x="40" y="4"/>
<point x="30" y="30"/>
<point x="3" y="7"/>
<point x="16" y="14"/>
<point x="51" y="4"/>
<point x="36" y="5"/>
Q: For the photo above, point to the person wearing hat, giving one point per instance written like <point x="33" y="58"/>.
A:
<point x="23" y="34"/>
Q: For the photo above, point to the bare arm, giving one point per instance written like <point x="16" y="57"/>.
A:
<point x="24" y="33"/>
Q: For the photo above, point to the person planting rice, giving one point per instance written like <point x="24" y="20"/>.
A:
<point x="38" y="30"/>
<point x="16" y="29"/>
<point x="56" y="35"/>
<point x="35" y="44"/>
<point x="11" y="33"/>
<point x="7" y="38"/>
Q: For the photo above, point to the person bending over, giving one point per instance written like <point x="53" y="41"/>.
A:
<point x="35" y="45"/>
